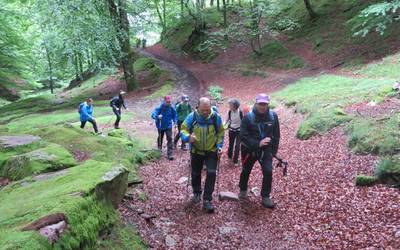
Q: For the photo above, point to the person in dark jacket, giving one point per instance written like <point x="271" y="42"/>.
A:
<point x="117" y="102"/>
<point x="86" y="114"/>
<point x="164" y="116"/>
<point x="234" y="118"/>
<point x="183" y="109"/>
<point x="260" y="134"/>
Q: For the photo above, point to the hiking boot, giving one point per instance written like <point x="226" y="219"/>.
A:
<point x="196" y="198"/>
<point x="171" y="158"/>
<point x="242" y="194"/>
<point x="116" y="127"/>
<point x="267" y="202"/>
<point x="236" y="164"/>
<point x="207" y="205"/>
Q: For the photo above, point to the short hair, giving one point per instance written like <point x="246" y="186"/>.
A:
<point x="204" y="100"/>
<point x="235" y="102"/>
<point x="89" y="99"/>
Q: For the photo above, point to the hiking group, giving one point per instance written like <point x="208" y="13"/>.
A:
<point x="253" y="134"/>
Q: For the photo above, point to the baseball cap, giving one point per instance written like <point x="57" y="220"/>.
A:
<point x="185" y="98"/>
<point x="262" y="98"/>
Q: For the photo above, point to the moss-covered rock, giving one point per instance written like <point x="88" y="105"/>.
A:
<point x="51" y="158"/>
<point x="87" y="213"/>
<point x="388" y="171"/>
<point x="366" y="180"/>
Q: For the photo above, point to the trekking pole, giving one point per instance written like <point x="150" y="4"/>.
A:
<point x="282" y="163"/>
<point x="217" y="170"/>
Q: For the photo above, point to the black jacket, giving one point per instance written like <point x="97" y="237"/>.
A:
<point x="117" y="102"/>
<point x="252" y="131"/>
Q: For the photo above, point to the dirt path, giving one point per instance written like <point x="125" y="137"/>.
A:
<point x="318" y="205"/>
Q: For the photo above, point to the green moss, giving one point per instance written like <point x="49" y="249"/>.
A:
<point x="163" y="91"/>
<point x="388" y="68"/>
<point x="366" y="180"/>
<point x="23" y="204"/>
<point x="321" y="121"/>
<point x="275" y="54"/>
<point x="368" y="136"/>
<point x="388" y="171"/>
<point x="122" y="237"/>
<point x="143" y="63"/>
<point x="51" y="158"/>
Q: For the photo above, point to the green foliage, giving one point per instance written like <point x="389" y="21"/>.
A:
<point x="388" y="171"/>
<point x="215" y="92"/>
<point x="376" y="17"/>
<point x="122" y="237"/>
<point x="275" y="54"/>
<point x="143" y="63"/>
<point x="366" y="180"/>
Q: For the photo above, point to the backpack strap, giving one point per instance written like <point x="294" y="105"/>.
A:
<point x="229" y="115"/>
<point x="241" y="114"/>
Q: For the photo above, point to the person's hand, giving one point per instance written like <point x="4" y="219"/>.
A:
<point x="160" y="117"/>
<point x="219" y="151"/>
<point x="265" y="141"/>
<point x="192" y="138"/>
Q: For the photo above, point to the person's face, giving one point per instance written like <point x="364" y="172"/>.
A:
<point x="89" y="102"/>
<point x="168" y="102"/>
<point x="262" y="107"/>
<point x="231" y="107"/>
<point x="204" y="109"/>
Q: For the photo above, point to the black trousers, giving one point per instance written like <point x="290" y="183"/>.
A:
<point x="234" y="143"/>
<point x="266" y="167"/>
<point x="177" y="136"/>
<point x="117" y="113"/>
<point x="93" y="122"/>
<point x="197" y="161"/>
<point x="168" y="133"/>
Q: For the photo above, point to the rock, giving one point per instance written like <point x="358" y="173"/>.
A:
<point x="140" y="211"/>
<point x="170" y="241"/>
<point x="48" y="176"/>
<point x="114" y="186"/>
<point x="3" y="182"/>
<point x="228" y="196"/>
<point x="134" y="182"/>
<point x="51" y="158"/>
<point x="396" y="86"/>
<point x="226" y="230"/>
<point x="53" y="232"/>
<point x="255" y="191"/>
<point x="147" y="216"/>
<point x="47" y="220"/>
<point x="182" y="180"/>
<point x="397" y="234"/>
<point x="371" y="103"/>
<point x="15" y="141"/>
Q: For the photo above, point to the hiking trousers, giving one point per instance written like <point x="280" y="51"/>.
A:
<point x="93" y="122"/>
<point x="178" y="135"/>
<point x="117" y="113"/>
<point x="168" y="133"/>
<point x="248" y="161"/>
<point x="197" y="161"/>
<point x="234" y="143"/>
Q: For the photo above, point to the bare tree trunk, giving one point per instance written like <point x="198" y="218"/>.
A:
<point x="310" y="10"/>
<point x="225" y="19"/>
<point x="218" y="6"/>
<point x="50" y="69"/>
<point x="211" y="3"/>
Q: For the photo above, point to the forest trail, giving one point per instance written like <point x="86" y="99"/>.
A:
<point x="318" y="204"/>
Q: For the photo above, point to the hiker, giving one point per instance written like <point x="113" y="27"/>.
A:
<point x="235" y="116"/>
<point x="86" y="114"/>
<point x="260" y="134"/>
<point x="117" y="102"/>
<point x="204" y="130"/>
<point x="183" y="109"/>
<point x="164" y="116"/>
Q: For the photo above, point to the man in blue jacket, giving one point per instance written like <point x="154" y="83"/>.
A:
<point x="164" y="116"/>
<point x="86" y="114"/>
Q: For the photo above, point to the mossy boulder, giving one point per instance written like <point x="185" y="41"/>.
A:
<point x="85" y="194"/>
<point x="51" y="158"/>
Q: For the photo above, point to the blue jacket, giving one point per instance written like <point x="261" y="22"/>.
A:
<point x="85" y="112"/>
<point x="168" y="116"/>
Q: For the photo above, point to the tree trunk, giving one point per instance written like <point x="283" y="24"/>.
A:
<point x="50" y="69"/>
<point x="310" y="10"/>
<point x="122" y="24"/>
<point x="218" y="6"/>
<point x="211" y="3"/>
<point x="182" y="8"/>
<point x="225" y="19"/>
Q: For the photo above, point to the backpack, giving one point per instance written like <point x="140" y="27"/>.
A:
<point x="214" y="120"/>
<point x="240" y="114"/>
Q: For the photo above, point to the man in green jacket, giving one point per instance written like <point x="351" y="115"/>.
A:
<point x="183" y="109"/>
<point x="204" y="130"/>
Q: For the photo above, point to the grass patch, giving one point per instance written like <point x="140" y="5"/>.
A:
<point x="366" y="180"/>
<point x="370" y="136"/>
<point x="163" y="91"/>
<point x="276" y="55"/>
<point x="143" y="63"/>
<point x="122" y="237"/>
<point x="387" y="68"/>
<point x="388" y="171"/>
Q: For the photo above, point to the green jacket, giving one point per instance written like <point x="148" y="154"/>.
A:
<point x="208" y="140"/>
<point x="183" y="110"/>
